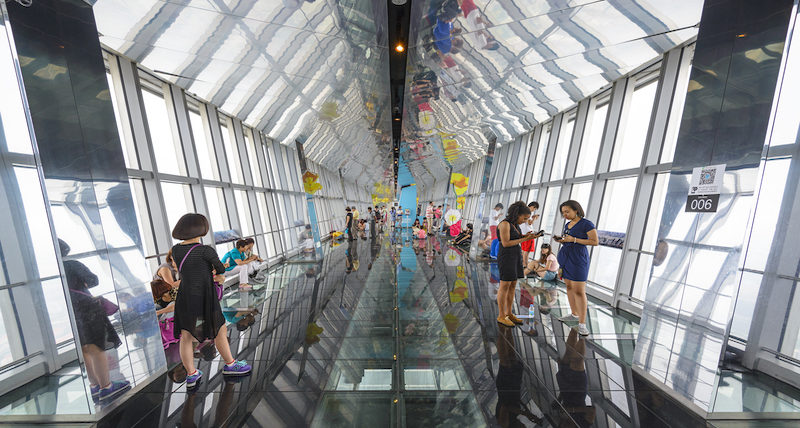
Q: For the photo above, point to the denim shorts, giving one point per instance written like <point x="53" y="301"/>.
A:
<point x="549" y="276"/>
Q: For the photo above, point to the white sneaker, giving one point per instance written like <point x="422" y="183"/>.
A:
<point x="569" y="317"/>
<point x="582" y="330"/>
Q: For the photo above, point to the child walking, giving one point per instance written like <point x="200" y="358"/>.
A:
<point x="198" y="315"/>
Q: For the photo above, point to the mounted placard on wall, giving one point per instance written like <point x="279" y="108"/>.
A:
<point x="704" y="189"/>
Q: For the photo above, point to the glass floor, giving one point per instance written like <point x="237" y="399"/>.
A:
<point x="400" y="332"/>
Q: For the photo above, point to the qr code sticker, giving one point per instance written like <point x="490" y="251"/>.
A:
<point x="707" y="176"/>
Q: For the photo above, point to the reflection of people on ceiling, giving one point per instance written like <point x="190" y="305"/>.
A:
<point x="476" y="27"/>
<point x="573" y="384"/>
<point x="510" y="409"/>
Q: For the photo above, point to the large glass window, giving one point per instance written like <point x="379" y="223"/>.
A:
<point x="206" y="155"/>
<point x="143" y="216"/>
<point x="252" y="159"/>
<point x="562" y="149"/>
<point x="123" y="126"/>
<point x="243" y="210"/>
<point x="177" y="201"/>
<point x="590" y="147"/>
<point x="36" y="216"/>
<point x="631" y="139"/>
<point x="231" y="151"/>
<point x="614" y="215"/>
<point x="540" y="152"/>
<point x="168" y="154"/>
<point x="12" y="113"/>
<point x="580" y="192"/>
<point x="550" y="211"/>
<point x="678" y="102"/>
<point x="649" y="244"/>
<point x="264" y="213"/>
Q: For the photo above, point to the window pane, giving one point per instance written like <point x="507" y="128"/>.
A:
<point x="787" y="120"/>
<point x="231" y="152"/>
<point x="645" y="263"/>
<point x="540" y="151"/>
<point x="243" y="209"/>
<point x="550" y="211"/>
<point x="123" y="127"/>
<point x="252" y="159"/>
<point x="53" y="291"/>
<point x="268" y="180"/>
<point x="12" y="113"/>
<point x="169" y="157"/>
<point x="590" y="147"/>
<point x="177" y="201"/>
<point x="630" y="142"/>
<point x="217" y="211"/>
<point x="560" y="161"/>
<point x="678" y="102"/>
<point x="581" y="192"/>
<point x="143" y="216"/>
<point x="614" y="216"/>
<point x="206" y="156"/>
<point x="36" y="217"/>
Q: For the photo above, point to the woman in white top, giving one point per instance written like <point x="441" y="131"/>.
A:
<point x="494" y="219"/>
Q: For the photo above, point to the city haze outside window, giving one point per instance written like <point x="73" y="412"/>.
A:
<point x="614" y="216"/>
<point x="206" y="155"/>
<point x="590" y="147"/>
<point x="121" y="117"/>
<point x="177" y="201"/>
<point x="168" y="154"/>
<point x="560" y="160"/>
<point x="631" y="139"/>
<point x="231" y="151"/>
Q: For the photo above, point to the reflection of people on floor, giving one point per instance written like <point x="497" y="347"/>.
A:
<point x="306" y="240"/>
<point x="243" y="319"/>
<point x="573" y="383"/>
<point x="510" y="409"/>
<point x="95" y="331"/>
<point x="223" y="410"/>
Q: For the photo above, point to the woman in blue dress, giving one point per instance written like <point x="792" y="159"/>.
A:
<point x="574" y="260"/>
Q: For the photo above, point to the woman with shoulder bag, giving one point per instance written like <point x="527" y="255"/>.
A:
<point x="198" y="315"/>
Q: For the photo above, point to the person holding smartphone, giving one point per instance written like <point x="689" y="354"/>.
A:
<point x="509" y="260"/>
<point x="529" y="246"/>
<point x="574" y="260"/>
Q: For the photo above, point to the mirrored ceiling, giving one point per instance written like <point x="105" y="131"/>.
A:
<point x="291" y="68"/>
<point x="508" y="65"/>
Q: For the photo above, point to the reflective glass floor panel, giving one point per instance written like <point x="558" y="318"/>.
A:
<point x="399" y="332"/>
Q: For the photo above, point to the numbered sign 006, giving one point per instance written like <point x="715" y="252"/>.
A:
<point x="702" y="203"/>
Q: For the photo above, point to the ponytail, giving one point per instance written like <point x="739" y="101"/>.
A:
<point x="515" y="210"/>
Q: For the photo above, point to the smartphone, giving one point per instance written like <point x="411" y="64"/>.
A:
<point x="556" y="237"/>
<point x="541" y="232"/>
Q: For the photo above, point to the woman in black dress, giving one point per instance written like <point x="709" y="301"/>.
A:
<point x="198" y="315"/>
<point x="509" y="260"/>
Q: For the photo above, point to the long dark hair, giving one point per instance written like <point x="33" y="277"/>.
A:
<point x="575" y="206"/>
<point x="542" y="257"/>
<point x="515" y="210"/>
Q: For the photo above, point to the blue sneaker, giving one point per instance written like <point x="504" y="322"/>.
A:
<point x="95" y="390"/>
<point x="114" y="390"/>
<point x="194" y="379"/>
<point x="238" y="368"/>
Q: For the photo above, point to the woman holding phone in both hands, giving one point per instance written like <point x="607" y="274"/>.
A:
<point x="574" y="260"/>
<point x="509" y="259"/>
